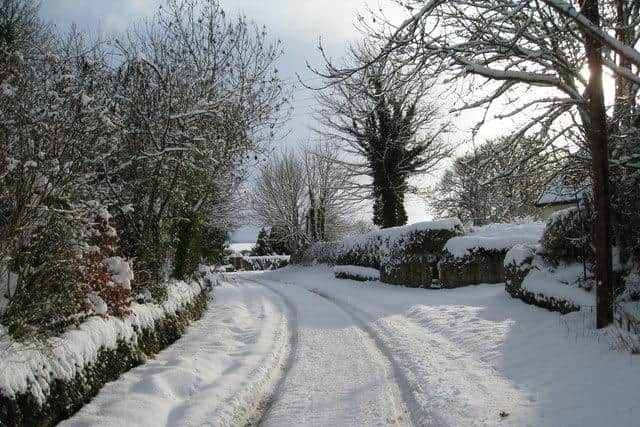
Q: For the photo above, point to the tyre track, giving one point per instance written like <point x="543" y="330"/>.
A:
<point x="265" y="404"/>
<point x="397" y="377"/>
<point x="405" y="414"/>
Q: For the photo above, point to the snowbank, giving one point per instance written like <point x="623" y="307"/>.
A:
<point x="354" y="272"/>
<point x="532" y="279"/>
<point x="560" y="284"/>
<point x="41" y="383"/>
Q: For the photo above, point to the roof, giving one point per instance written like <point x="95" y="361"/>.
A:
<point x="558" y="192"/>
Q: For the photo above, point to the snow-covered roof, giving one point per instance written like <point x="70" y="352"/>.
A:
<point x="558" y="192"/>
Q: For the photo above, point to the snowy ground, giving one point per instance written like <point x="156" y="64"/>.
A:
<point x="299" y="347"/>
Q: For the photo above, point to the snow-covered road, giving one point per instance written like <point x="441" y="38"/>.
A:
<point x="298" y="347"/>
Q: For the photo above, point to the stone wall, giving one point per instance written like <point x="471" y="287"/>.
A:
<point x="405" y="255"/>
<point x="479" y="266"/>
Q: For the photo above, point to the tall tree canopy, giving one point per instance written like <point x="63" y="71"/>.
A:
<point x="389" y="130"/>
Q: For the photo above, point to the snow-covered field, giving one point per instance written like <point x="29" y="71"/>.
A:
<point x="299" y="347"/>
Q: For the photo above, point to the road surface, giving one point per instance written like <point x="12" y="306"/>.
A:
<point x="298" y="347"/>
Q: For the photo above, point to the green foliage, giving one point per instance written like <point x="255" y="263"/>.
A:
<point x="277" y="241"/>
<point x="213" y="239"/>
<point x="48" y="291"/>
<point x="188" y="228"/>
<point x="262" y="247"/>
<point x="568" y="236"/>
<point x="391" y="154"/>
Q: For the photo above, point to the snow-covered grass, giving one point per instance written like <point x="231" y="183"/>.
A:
<point x="356" y="273"/>
<point x="31" y="368"/>
<point x="494" y="237"/>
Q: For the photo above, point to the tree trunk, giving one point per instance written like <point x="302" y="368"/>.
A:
<point x="597" y="134"/>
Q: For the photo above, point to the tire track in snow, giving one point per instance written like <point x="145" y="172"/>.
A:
<point x="266" y="402"/>
<point x="403" y="394"/>
<point x="399" y="391"/>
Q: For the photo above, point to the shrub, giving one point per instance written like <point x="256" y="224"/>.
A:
<point x="568" y="236"/>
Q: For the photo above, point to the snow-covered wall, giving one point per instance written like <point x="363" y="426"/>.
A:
<point x="354" y="272"/>
<point x="554" y="287"/>
<point x="400" y="253"/>
<point x="267" y="262"/>
<point x="478" y="257"/>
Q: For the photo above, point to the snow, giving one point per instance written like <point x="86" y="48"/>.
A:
<point x="120" y="270"/>
<point x="495" y="237"/>
<point x="559" y="283"/>
<point x="558" y="193"/>
<point x="561" y="214"/>
<point x="97" y="304"/>
<point x="298" y="347"/>
<point x="27" y="367"/>
<point x="219" y="373"/>
<point x="519" y="254"/>
<point x="354" y="270"/>
<point x="449" y="224"/>
<point x="238" y="248"/>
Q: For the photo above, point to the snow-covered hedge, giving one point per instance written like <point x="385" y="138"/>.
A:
<point x="404" y="255"/>
<point x="554" y="287"/>
<point x="250" y="263"/>
<point x="354" y="272"/>
<point x="41" y="384"/>
<point x="411" y="257"/>
<point x="270" y="262"/>
<point x="478" y="257"/>
<point x="479" y="266"/>
<point x="566" y="236"/>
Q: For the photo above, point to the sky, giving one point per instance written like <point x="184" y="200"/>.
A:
<point x="298" y="23"/>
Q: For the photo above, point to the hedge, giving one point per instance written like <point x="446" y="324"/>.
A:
<point x="59" y="398"/>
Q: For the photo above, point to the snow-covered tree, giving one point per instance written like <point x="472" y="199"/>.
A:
<point x="56" y="131"/>
<point x="496" y="181"/>
<point x="388" y="128"/>
<point x="199" y="95"/>
<point x="161" y="135"/>
<point x="262" y="247"/>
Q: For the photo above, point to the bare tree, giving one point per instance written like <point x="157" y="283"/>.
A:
<point x="475" y="187"/>
<point x="331" y="205"/>
<point x="302" y="196"/>
<point x="279" y="198"/>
